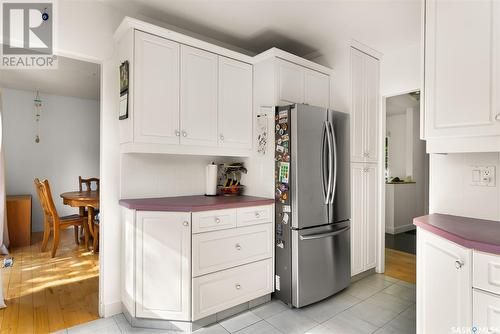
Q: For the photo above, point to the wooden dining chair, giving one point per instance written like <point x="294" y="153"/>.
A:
<point x="88" y="184"/>
<point x="51" y="219"/>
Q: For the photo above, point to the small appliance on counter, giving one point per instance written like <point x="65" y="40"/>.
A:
<point x="211" y="181"/>
<point x="230" y="179"/>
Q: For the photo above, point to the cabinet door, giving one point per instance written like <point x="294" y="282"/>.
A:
<point x="444" y="289"/>
<point x="371" y="215"/>
<point x="357" y="106"/>
<point x="462" y="52"/>
<point x="235" y="103"/>
<point x="486" y="311"/>
<point x="357" y="218"/>
<point x="156" y="90"/>
<point x="371" y="109"/>
<point x="290" y="82"/>
<point x="163" y="265"/>
<point x="316" y="89"/>
<point x="198" y="97"/>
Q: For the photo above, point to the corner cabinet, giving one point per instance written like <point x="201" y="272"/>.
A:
<point x="444" y="285"/>
<point x="365" y="117"/>
<point x="461" y="97"/>
<point x="364" y="192"/>
<point x="184" y="99"/>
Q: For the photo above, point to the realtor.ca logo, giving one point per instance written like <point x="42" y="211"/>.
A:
<point x="28" y="35"/>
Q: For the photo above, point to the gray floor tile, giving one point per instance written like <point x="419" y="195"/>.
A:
<point x="407" y="284"/>
<point x="291" y="322"/>
<point x="364" y="289"/>
<point x="326" y="309"/>
<point x="261" y="327"/>
<point x="372" y="313"/>
<point x="389" y="302"/>
<point x="378" y="280"/>
<point x="212" y="329"/>
<point x="267" y="310"/>
<point x="105" y="325"/>
<point x="62" y="331"/>
<point x="240" y="321"/>
<point x="320" y="329"/>
<point x="346" y="323"/>
<point x="403" y="325"/>
<point x="125" y="327"/>
<point x="387" y="330"/>
<point x="402" y="292"/>
<point x="410" y="312"/>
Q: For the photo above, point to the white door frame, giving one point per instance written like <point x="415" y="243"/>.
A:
<point x="380" y="268"/>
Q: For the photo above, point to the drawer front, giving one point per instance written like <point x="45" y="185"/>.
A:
<point x="220" y="250"/>
<point x="213" y="220"/>
<point x="486" y="272"/>
<point x="224" y="289"/>
<point x="255" y="215"/>
<point x="486" y="312"/>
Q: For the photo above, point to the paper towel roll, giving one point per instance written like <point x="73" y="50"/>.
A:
<point x="211" y="182"/>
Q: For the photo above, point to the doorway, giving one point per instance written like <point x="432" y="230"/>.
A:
<point x="50" y="130"/>
<point x="406" y="175"/>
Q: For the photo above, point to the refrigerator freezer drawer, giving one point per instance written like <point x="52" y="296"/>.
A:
<point x="321" y="262"/>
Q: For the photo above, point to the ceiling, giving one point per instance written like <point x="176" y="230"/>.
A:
<point x="72" y="78"/>
<point x="301" y="27"/>
<point x="397" y="104"/>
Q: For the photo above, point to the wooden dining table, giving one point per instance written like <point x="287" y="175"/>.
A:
<point x="88" y="199"/>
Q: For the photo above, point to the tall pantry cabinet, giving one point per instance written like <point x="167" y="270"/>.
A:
<point x="365" y="125"/>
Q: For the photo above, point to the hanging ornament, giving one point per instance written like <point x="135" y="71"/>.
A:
<point x="38" y="113"/>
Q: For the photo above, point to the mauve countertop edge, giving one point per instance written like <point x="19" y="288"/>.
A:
<point x="193" y="203"/>
<point x="478" y="234"/>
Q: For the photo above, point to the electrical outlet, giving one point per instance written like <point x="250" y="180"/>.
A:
<point x="483" y="176"/>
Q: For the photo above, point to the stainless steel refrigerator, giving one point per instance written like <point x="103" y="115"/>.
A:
<point x="312" y="190"/>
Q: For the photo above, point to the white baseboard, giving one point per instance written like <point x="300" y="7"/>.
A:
<point x="399" y="229"/>
<point x="111" y="309"/>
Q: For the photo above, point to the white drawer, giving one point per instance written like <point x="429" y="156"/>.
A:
<point x="224" y="289"/>
<point x="213" y="220"/>
<point x="486" y="312"/>
<point x="220" y="250"/>
<point x="486" y="272"/>
<point x="255" y="215"/>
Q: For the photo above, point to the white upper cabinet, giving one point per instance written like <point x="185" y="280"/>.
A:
<point x="364" y="107"/>
<point x="235" y="104"/>
<point x="198" y="97"/>
<point x="317" y="89"/>
<point x="462" y="75"/>
<point x="156" y="87"/>
<point x="297" y="84"/>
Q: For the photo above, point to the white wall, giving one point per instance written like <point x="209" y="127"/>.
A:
<point x="69" y="146"/>
<point x="400" y="71"/>
<point x="451" y="191"/>
<point x="396" y="131"/>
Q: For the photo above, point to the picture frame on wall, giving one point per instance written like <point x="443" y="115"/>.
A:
<point x="124" y="82"/>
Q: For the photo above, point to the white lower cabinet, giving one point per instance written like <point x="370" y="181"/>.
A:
<point x="444" y="285"/>
<point x="184" y="266"/>
<point x="163" y="265"/>
<point x="364" y="192"/>
<point x="486" y="312"/>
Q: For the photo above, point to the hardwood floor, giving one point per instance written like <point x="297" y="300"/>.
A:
<point x="45" y="294"/>
<point x="400" y="265"/>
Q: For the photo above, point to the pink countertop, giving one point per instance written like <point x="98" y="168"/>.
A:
<point x="479" y="234"/>
<point x="193" y="203"/>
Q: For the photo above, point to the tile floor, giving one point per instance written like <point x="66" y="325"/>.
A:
<point x="376" y="304"/>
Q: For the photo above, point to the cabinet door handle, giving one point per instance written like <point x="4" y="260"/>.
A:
<point x="217" y="220"/>
<point x="221" y="137"/>
<point x="257" y="214"/>
<point x="184" y="134"/>
<point x="238" y="247"/>
<point x="177" y="133"/>
<point x="185" y="223"/>
<point x="497" y="117"/>
<point x="237" y="286"/>
<point x="459" y="264"/>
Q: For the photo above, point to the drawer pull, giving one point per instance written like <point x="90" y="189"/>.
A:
<point x="257" y="214"/>
<point x="217" y="220"/>
<point x="458" y="264"/>
<point x="185" y="223"/>
<point x="237" y="286"/>
<point x="238" y="247"/>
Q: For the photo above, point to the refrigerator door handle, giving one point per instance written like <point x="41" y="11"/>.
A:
<point x="323" y="157"/>
<point x="330" y="162"/>
<point x="334" y="187"/>
<point x="323" y="235"/>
